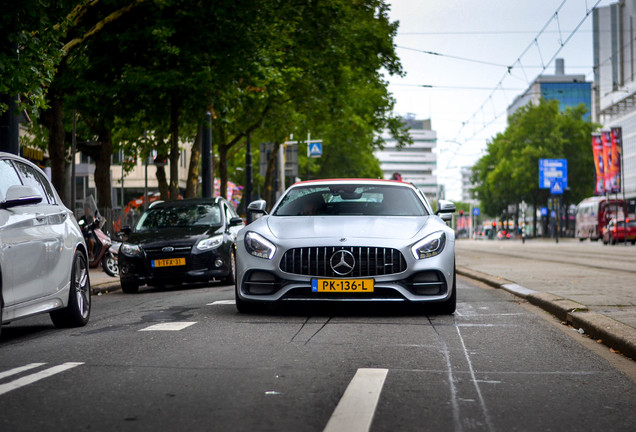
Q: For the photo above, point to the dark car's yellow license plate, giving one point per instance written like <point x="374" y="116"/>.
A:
<point x="342" y="285"/>
<point x="168" y="262"/>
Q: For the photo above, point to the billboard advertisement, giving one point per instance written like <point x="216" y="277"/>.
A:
<point x="606" y="139"/>
<point x="597" y="149"/>
<point x="614" y="160"/>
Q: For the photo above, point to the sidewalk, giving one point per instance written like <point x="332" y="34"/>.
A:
<point x="589" y="285"/>
<point x="101" y="282"/>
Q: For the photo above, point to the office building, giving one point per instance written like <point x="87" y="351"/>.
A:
<point x="416" y="163"/>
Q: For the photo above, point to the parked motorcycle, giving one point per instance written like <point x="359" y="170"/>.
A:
<point x="99" y="244"/>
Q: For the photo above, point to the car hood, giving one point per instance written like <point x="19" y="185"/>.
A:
<point x="173" y="236"/>
<point x="386" y="227"/>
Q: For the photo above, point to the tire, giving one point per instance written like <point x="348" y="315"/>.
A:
<point x="1" y="305"/>
<point x="78" y="310"/>
<point x="129" y="287"/>
<point x="244" y="307"/>
<point x="449" y="306"/>
<point x="109" y="264"/>
<point x="230" y="279"/>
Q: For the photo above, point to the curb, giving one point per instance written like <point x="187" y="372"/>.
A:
<point x="615" y="335"/>
<point x="105" y="287"/>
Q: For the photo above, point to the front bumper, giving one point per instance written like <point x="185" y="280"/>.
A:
<point x="202" y="267"/>
<point x="423" y="281"/>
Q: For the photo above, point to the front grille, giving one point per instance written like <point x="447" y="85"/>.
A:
<point x="369" y="261"/>
<point x="157" y="252"/>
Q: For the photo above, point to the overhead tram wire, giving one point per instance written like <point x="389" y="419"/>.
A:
<point x="518" y="61"/>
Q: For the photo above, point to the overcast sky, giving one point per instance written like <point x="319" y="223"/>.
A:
<point x="475" y="41"/>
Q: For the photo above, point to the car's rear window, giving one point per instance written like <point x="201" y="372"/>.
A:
<point x="354" y="200"/>
<point x="179" y="216"/>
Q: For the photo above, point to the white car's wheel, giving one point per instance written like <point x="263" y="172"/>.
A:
<point x="450" y="305"/>
<point x="78" y="310"/>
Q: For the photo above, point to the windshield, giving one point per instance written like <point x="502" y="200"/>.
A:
<point x="358" y="200"/>
<point x="181" y="216"/>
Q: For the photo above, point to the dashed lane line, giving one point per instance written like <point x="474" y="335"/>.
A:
<point x="169" y="326"/>
<point x="20" y="369"/>
<point x="356" y="408"/>
<point x="222" y="302"/>
<point x="30" y="379"/>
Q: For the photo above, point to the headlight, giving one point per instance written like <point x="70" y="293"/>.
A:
<point x="130" y="249"/>
<point x="210" y="243"/>
<point x="258" y="246"/>
<point x="430" y="246"/>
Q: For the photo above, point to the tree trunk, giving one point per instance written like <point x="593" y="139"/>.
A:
<point x="174" y="149"/>
<point x="162" y="182"/>
<point x="223" y="149"/>
<point x="192" y="184"/>
<point x="270" y="177"/>
<point x="102" y="170"/>
<point x="54" y="121"/>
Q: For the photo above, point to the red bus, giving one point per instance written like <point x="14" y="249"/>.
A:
<point x="593" y="214"/>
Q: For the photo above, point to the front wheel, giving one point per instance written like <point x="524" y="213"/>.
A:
<point x="450" y="305"/>
<point x="129" y="287"/>
<point x="242" y="306"/>
<point x="78" y="310"/>
<point x="109" y="264"/>
<point x="230" y="279"/>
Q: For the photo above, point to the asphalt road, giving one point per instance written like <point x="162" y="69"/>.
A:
<point x="498" y="364"/>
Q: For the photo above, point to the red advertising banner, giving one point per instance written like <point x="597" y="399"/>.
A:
<point x="597" y="149"/>
<point x="614" y="160"/>
<point x="607" y="149"/>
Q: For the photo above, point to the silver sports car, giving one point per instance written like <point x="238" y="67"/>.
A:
<point x="347" y="240"/>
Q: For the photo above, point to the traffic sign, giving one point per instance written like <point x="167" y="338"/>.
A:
<point x="556" y="187"/>
<point x="314" y="149"/>
<point x="475" y="211"/>
<point x="553" y="169"/>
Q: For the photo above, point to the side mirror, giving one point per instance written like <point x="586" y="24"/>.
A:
<point x="445" y="210"/>
<point x="126" y="230"/>
<point x="236" y="221"/>
<point x="19" y="195"/>
<point x="257" y="206"/>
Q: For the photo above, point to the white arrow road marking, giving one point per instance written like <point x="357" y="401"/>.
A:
<point x="29" y="379"/>
<point x="356" y="408"/>
<point x="222" y="302"/>
<point x="169" y="326"/>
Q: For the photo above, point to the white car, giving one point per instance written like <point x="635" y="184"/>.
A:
<point x="348" y="240"/>
<point x="43" y="256"/>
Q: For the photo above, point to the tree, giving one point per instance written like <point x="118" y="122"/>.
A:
<point x="509" y="172"/>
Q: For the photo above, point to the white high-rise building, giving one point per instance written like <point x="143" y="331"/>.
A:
<point x="416" y="163"/>
<point x="615" y="82"/>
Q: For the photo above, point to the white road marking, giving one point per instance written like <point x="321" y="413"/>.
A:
<point x="482" y="402"/>
<point x="356" y="408"/>
<point x="169" y="326"/>
<point x="222" y="302"/>
<point x="20" y="369"/>
<point x="29" y="379"/>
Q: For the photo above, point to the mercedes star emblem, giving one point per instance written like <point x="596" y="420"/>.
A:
<point x="342" y="262"/>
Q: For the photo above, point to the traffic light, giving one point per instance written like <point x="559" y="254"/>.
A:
<point x="461" y="213"/>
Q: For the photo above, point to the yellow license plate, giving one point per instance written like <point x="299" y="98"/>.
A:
<point x="169" y="262"/>
<point x="342" y="285"/>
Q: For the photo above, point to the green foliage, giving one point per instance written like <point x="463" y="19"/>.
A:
<point x="509" y="171"/>
<point x="29" y="26"/>
<point x="266" y="68"/>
